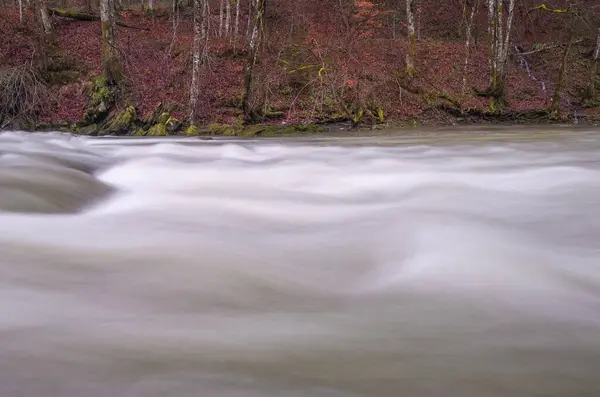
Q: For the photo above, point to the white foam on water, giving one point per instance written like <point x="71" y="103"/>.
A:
<point x="302" y="268"/>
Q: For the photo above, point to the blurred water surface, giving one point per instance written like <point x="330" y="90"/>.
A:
<point x="420" y="265"/>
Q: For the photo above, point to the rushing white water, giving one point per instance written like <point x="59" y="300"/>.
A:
<point x="332" y="267"/>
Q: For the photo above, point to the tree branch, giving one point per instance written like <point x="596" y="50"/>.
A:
<point x="547" y="48"/>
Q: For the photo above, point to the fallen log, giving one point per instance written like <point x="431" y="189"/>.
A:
<point x="79" y="16"/>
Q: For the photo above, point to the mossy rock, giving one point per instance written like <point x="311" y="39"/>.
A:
<point x="163" y="118"/>
<point x="139" y="132"/>
<point x="173" y="125"/>
<point x="192" y="130"/>
<point x="158" y="130"/>
<point x="161" y="114"/>
<point x="123" y="122"/>
<point x="102" y="99"/>
<point x="92" y="129"/>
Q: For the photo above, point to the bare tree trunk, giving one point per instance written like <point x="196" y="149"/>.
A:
<point x="253" y="101"/>
<point x="21" y="12"/>
<point x="175" y="15"/>
<point x="227" y="18"/>
<point x="221" y="17"/>
<point x="499" y="37"/>
<point x="45" y="18"/>
<point x="594" y="69"/>
<point x="419" y="13"/>
<point x="469" y="38"/>
<point x="110" y="61"/>
<point x="206" y="25"/>
<point x="151" y="7"/>
<point x="555" y="106"/>
<point x="250" y="13"/>
<point x="199" y="48"/>
<point x="410" y="24"/>
<point x="236" y="28"/>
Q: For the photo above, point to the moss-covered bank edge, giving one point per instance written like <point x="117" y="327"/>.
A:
<point x="125" y="123"/>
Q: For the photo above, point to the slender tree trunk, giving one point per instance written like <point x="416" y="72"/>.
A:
<point x="21" y="12"/>
<point x="419" y="13"/>
<point x="410" y="24"/>
<point x="227" y="18"/>
<point x="250" y="13"/>
<point x="253" y="101"/>
<point x="151" y="7"/>
<point x="206" y="25"/>
<point x="221" y="17"/>
<point x="469" y="38"/>
<point x="499" y="38"/>
<point x="594" y="68"/>
<point x="236" y="25"/>
<point x="110" y="61"/>
<point x="199" y="48"/>
<point x="555" y="106"/>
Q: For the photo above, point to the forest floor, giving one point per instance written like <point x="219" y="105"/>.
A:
<point x="157" y="65"/>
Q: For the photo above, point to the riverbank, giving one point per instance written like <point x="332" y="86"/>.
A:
<point x="357" y="82"/>
<point x="169" y="126"/>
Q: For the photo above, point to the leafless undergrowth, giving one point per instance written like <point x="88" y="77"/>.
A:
<point x="23" y="95"/>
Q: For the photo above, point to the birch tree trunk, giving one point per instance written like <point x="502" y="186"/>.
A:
<point x="227" y="18"/>
<point x="250" y="13"/>
<point x="110" y="61"/>
<point x="236" y="25"/>
<point x="410" y="24"/>
<point x="21" y="12"/>
<point x="221" y="17"/>
<point x="199" y="48"/>
<point x="469" y="38"/>
<point x="253" y="99"/>
<point x="499" y="29"/>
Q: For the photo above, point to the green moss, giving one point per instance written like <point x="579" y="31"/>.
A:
<point x="158" y="130"/>
<point x="192" y="130"/>
<point x="163" y="118"/>
<point x="256" y="130"/>
<point x="253" y="130"/>
<point x="358" y="116"/>
<point x="102" y="99"/>
<point x="307" y="128"/>
<point x="380" y="115"/>
<point x="225" y="130"/>
<point x="123" y="122"/>
<point x="139" y="132"/>
<point x="276" y="130"/>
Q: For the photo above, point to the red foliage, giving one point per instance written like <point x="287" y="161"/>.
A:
<point x="350" y="52"/>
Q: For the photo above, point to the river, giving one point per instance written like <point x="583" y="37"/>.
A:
<point x="439" y="264"/>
